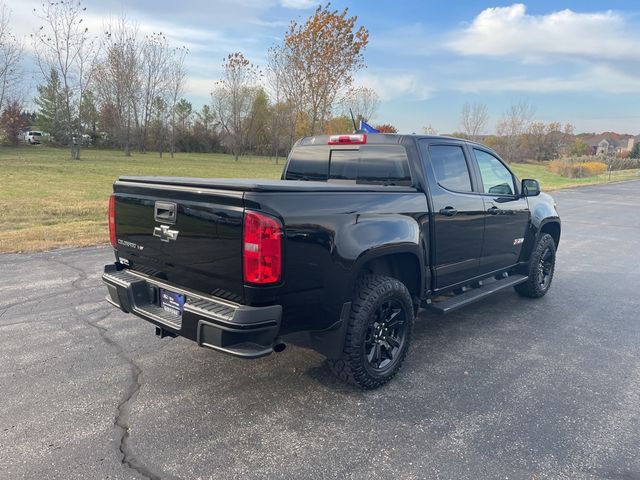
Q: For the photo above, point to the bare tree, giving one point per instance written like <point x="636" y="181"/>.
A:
<point x="10" y="55"/>
<point x="286" y="102"/>
<point x="511" y="127"/>
<point x="63" y="44"/>
<point x="177" y="79"/>
<point x="117" y="80"/>
<point x="474" y="119"/>
<point x="362" y="101"/>
<point x="155" y="78"/>
<point x="233" y="98"/>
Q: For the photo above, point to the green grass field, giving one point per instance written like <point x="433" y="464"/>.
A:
<point x="48" y="201"/>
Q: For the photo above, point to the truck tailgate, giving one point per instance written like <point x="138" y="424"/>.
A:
<point x="198" y="246"/>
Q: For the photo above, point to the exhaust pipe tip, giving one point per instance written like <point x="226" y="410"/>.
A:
<point x="279" y="347"/>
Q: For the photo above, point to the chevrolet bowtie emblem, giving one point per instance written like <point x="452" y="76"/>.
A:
<point x="164" y="233"/>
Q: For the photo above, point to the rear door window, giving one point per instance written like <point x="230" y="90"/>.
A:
<point x="450" y="167"/>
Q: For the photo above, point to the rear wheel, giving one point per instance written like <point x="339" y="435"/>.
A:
<point x="541" y="268"/>
<point x="378" y="334"/>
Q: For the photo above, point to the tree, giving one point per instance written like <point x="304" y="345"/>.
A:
<point x="50" y="101"/>
<point x="258" y="123"/>
<point x="316" y="62"/>
<point x="159" y="123"/>
<point x="286" y="105"/>
<point x="362" y="102"/>
<point x="63" y="44"/>
<point x="89" y="116"/>
<point x="10" y="54"/>
<point x="205" y="128"/>
<point x="545" y="141"/>
<point x="635" y="151"/>
<point x="340" y="124"/>
<point x="177" y="78"/>
<point x="386" y="128"/>
<point x="13" y="122"/>
<point x="474" y="119"/>
<point x="511" y="127"/>
<point x="184" y="110"/>
<point x="233" y="99"/>
<point x="578" y="148"/>
<point x="117" y="81"/>
<point x="184" y="114"/>
<point x="155" y="80"/>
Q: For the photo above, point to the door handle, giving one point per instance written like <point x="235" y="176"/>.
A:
<point x="448" y="211"/>
<point x="493" y="210"/>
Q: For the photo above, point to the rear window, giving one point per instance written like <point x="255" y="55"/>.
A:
<point x="370" y="164"/>
<point x="308" y="163"/>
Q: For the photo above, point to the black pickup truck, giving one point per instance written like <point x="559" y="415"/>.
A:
<point x="337" y="256"/>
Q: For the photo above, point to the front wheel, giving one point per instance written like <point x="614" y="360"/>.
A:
<point x="541" y="267"/>
<point x="378" y="334"/>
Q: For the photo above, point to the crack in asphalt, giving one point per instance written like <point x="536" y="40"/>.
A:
<point x="74" y="287"/>
<point x="121" y="421"/>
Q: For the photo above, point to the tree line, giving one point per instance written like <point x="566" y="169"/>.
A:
<point x="124" y="89"/>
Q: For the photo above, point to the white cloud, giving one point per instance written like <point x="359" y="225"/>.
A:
<point x="298" y="4"/>
<point x="598" y="78"/>
<point x="199" y="86"/>
<point x="512" y="32"/>
<point x="393" y="85"/>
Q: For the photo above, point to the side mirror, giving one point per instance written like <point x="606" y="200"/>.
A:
<point x="530" y="187"/>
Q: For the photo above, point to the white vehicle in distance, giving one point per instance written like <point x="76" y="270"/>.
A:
<point x="33" y="137"/>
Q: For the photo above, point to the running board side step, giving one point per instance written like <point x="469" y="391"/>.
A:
<point x="476" y="294"/>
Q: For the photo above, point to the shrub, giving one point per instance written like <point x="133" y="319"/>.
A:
<point x="576" y="168"/>
<point x="623" y="163"/>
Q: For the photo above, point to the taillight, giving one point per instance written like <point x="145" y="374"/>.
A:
<point x="355" y="139"/>
<point x="262" y="248"/>
<point x="112" y="220"/>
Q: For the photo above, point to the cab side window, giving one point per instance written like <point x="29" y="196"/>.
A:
<point x="450" y="167"/>
<point x="496" y="178"/>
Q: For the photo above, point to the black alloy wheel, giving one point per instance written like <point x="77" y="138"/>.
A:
<point x="378" y="333"/>
<point x="385" y="336"/>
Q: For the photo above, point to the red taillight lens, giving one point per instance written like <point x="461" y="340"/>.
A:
<point x="112" y="220"/>
<point x="262" y="248"/>
<point x="356" y="139"/>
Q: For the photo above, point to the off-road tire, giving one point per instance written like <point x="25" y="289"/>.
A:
<point x="372" y="293"/>
<point x="543" y="254"/>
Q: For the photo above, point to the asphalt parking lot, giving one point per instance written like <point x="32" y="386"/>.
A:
<point x="508" y="388"/>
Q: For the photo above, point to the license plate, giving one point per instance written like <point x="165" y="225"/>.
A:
<point x="171" y="302"/>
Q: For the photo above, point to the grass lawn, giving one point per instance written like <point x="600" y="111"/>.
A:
<point x="48" y="201"/>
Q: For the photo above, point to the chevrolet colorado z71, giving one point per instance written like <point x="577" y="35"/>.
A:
<point x="338" y="255"/>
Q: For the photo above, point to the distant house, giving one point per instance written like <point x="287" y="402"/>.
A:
<point x="608" y="146"/>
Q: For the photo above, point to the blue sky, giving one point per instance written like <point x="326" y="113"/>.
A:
<point x="574" y="61"/>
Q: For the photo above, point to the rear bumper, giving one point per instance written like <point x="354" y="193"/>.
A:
<point x="240" y="330"/>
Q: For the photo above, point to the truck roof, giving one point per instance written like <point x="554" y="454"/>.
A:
<point x="383" y="138"/>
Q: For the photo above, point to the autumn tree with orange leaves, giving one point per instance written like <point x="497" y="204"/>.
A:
<point x="317" y="60"/>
